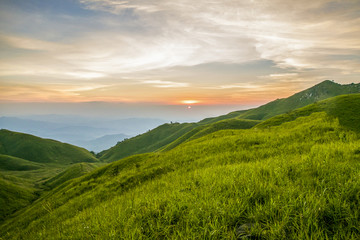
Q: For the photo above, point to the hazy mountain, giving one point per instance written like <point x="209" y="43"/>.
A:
<point x="101" y="143"/>
<point x="80" y="131"/>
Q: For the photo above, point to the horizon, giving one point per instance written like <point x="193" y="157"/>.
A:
<point x="171" y="58"/>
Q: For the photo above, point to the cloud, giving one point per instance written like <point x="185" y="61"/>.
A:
<point x="167" y="40"/>
<point x="165" y="84"/>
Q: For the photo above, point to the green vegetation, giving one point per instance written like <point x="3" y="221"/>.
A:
<point x="344" y="107"/>
<point x="27" y="162"/>
<point x="147" y="142"/>
<point x="294" y="178"/>
<point x="74" y="171"/>
<point x="41" y="150"/>
<point x="210" y="128"/>
<point x="13" y="197"/>
<point x="17" y="164"/>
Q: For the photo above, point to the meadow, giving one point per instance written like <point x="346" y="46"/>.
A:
<point x="298" y="180"/>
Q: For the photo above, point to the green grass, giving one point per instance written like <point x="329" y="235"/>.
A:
<point x="298" y="180"/>
<point x="13" y="197"/>
<point x="321" y="91"/>
<point x="148" y="142"/>
<point x="344" y="107"/>
<point x="41" y="150"/>
<point x="74" y="171"/>
<point x="17" y="164"/>
<point x="206" y="129"/>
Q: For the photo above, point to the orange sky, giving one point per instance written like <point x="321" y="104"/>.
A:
<point x="169" y="52"/>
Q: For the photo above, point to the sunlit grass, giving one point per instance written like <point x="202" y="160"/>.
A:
<point x="299" y="180"/>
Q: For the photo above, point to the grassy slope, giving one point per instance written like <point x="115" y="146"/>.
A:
<point x="321" y="91"/>
<point x="344" y="107"/>
<point x="41" y="150"/>
<point x="298" y="180"/>
<point x="147" y="142"/>
<point x="74" y="171"/>
<point x="210" y="128"/>
<point x="17" y="164"/>
<point x="13" y="197"/>
<point x="26" y="162"/>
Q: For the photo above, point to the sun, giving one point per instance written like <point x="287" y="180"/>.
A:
<point x="189" y="101"/>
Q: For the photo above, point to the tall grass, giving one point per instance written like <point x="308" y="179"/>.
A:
<point x="299" y="180"/>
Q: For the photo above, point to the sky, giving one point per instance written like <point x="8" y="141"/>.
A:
<point x="210" y="55"/>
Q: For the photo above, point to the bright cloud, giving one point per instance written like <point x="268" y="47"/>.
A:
<point x="116" y="43"/>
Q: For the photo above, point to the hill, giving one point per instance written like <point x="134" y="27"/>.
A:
<point x="147" y="142"/>
<point x="102" y="143"/>
<point x="17" y="164"/>
<point x="13" y="197"/>
<point x="296" y="179"/>
<point x="321" y="91"/>
<point x="167" y="134"/>
<point x="344" y="108"/>
<point x="74" y="171"/>
<point x="41" y="150"/>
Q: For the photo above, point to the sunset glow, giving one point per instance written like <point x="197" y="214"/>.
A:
<point x="189" y="101"/>
<point x="223" y="52"/>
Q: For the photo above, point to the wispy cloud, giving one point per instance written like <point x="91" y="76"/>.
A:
<point x="165" y="84"/>
<point x="166" y="40"/>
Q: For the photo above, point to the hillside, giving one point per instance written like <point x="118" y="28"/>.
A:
<point x="345" y="108"/>
<point x="13" y="197"/>
<point x="41" y="150"/>
<point x="321" y="91"/>
<point x="206" y="129"/>
<point x="74" y="171"/>
<point x="168" y="136"/>
<point x="296" y="179"/>
<point x="17" y="164"/>
<point x="147" y="142"/>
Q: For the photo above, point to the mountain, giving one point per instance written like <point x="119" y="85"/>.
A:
<point x="80" y="131"/>
<point x="158" y="138"/>
<point x="321" y="91"/>
<point x="102" y="143"/>
<point x="41" y="150"/>
<point x="344" y="108"/>
<point x="147" y="142"/>
<point x="294" y="176"/>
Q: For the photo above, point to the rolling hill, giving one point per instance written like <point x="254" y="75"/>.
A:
<point x="294" y="176"/>
<point x="41" y="150"/>
<point x="28" y="162"/>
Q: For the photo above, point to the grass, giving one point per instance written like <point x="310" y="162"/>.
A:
<point x="344" y="107"/>
<point x="147" y="142"/>
<point x="206" y="129"/>
<point x="41" y="150"/>
<point x="17" y="164"/>
<point x="74" y="171"/>
<point x="13" y="197"/>
<point x="298" y="180"/>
